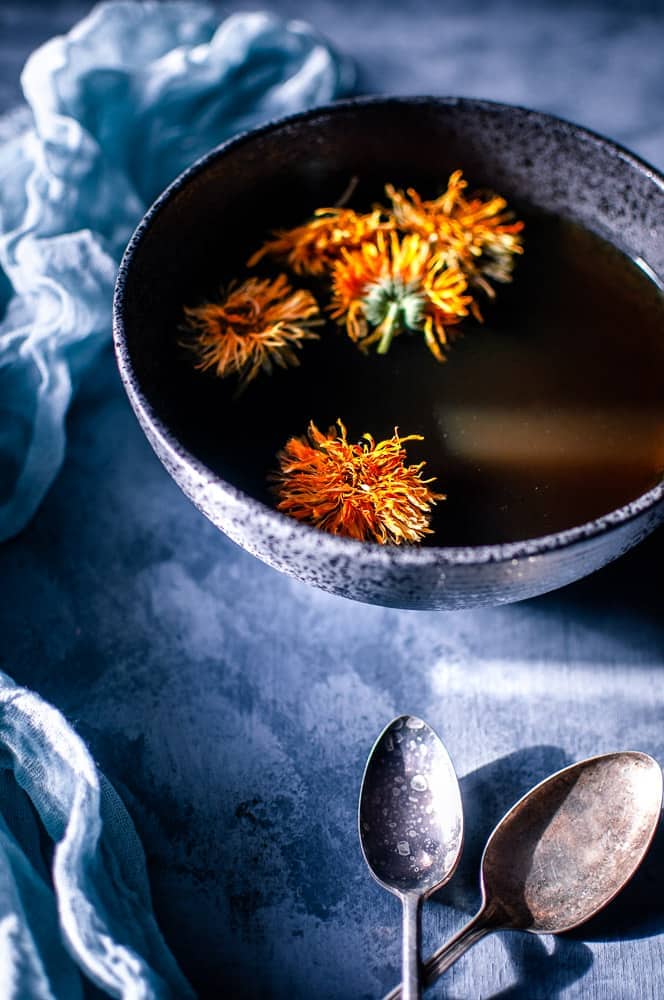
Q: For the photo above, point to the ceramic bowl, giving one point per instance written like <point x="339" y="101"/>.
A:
<point x="195" y="229"/>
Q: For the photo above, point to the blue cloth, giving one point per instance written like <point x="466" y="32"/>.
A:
<point x="133" y="94"/>
<point x="84" y="904"/>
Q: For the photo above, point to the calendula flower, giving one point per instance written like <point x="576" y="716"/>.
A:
<point x="254" y="325"/>
<point x="314" y="246"/>
<point x="364" y="490"/>
<point x="478" y="235"/>
<point x="393" y="284"/>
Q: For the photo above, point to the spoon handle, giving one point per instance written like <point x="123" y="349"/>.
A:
<point x="410" y="947"/>
<point x="447" y="955"/>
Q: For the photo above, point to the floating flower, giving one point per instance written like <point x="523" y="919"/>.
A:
<point x="393" y="284"/>
<point x="314" y="246"/>
<point x="478" y="235"/>
<point x="255" y="325"/>
<point x="364" y="491"/>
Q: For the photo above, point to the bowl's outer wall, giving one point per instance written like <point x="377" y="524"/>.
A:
<point x="534" y="160"/>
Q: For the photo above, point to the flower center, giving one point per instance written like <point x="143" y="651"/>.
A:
<point x="393" y="305"/>
<point x="393" y="297"/>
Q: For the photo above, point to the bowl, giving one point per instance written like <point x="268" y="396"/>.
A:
<point x="199" y="228"/>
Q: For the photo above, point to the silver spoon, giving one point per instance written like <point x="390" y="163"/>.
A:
<point x="411" y="825"/>
<point x="562" y="852"/>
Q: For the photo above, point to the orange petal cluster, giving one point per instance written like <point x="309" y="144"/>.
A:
<point x="404" y="268"/>
<point x="255" y="325"/>
<point x="364" y="491"/>
<point x="479" y="235"/>
<point x="313" y="247"/>
<point x="415" y="265"/>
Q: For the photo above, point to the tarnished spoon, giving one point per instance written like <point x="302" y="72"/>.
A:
<point x="562" y="852"/>
<point x="411" y="825"/>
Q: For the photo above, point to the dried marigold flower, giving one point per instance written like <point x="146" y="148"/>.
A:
<point x="393" y="284"/>
<point x="364" y="490"/>
<point x="314" y="246"/>
<point x="255" y="325"/>
<point x="478" y="235"/>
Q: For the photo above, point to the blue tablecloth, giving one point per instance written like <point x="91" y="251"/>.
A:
<point x="233" y="708"/>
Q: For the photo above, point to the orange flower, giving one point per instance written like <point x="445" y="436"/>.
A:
<point x="393" y="284"/>
<point x="363" y="491"/>
<point x="254" y="326"/>
<point x="314" y="246"/>
<point x="477" y="235"/>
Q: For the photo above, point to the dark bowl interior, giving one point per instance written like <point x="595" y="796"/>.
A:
<point x="198" y="236"/>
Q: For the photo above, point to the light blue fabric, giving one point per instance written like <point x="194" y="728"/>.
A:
<point x="133" y="94"/>
<point x="87" y="908"/>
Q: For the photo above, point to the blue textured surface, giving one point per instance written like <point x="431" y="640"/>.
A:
<point x="233" y="708"/>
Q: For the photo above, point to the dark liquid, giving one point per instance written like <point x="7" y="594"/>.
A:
<point x="548" y="415"/>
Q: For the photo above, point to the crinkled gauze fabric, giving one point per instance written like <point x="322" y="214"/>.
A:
<point x="119" y="106"/>
<point x="80" y="907"/>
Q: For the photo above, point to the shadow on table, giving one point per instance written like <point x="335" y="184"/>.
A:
<point x="624" y="594"/>
<point x="542" y="974"/>
<point x="628" y="592"/>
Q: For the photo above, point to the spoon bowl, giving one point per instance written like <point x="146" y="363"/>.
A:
<point x="563" y="852"/>
<point x="410" y="818"/>
<point x="570" y="845"/>
<point x="410" y="823"/>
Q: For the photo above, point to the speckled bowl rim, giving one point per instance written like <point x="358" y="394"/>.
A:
<point x="281" y="524"/>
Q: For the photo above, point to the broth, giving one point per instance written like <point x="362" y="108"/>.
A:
<point x="548" y="415"/>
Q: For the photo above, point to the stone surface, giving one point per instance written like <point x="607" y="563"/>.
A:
<point x="234" y="708"/>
